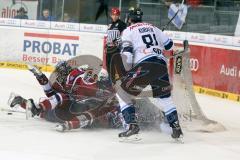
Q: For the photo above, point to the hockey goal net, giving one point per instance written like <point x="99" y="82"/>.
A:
<point x="190" y="113"/>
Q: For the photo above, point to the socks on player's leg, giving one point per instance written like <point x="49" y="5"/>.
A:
<point x="130" y="119"/>
<point x="170" y="113"/>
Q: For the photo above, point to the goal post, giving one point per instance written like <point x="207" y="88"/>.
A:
<point x="183" y="94"/>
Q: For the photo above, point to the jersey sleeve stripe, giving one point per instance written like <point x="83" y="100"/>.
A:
<point x="169" y="45"/>
<point x="166" y="43"/>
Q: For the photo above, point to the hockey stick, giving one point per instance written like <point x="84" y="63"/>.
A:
<point x="178" y="53"/>
<point x="11" y="110"/>
<point x="165" y="26"/>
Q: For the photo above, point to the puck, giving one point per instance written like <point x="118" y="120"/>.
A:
<point x="9" y="113"/>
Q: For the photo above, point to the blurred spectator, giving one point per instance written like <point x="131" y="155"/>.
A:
<point x="225" y="3"/>
<point x="194" y="3"/>
<point x="103" y="7"/>
<point x="67" y="18"/>
<point x="21" y="14"/>
<point x="169" y="2"/>
<point x="208" y="2"/>
<point x="46" y="16"/>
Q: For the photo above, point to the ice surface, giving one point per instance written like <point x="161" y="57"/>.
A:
<point x="36" y="139"/>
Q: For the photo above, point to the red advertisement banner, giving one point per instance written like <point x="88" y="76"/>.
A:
<point x="216" y="68"/>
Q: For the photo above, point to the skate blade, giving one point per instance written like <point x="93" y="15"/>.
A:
<point x="133" y="138"/>
<point x="28" y="110"/>
<point x="179" y="140"/>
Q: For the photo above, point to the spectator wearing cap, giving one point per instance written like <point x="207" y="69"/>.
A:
<point x="21" y="14"/>
<point x="46" y="16"/>
<point x="113" y="58"/>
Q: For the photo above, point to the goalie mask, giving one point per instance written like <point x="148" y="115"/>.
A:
<point x="62" y="70"/>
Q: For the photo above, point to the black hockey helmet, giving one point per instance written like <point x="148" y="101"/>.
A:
<point x="62" y="69"/>
<point x="135" y="15"/>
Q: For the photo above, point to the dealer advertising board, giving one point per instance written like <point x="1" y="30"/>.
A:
<point x="41" y="46"/>
<point x="215" y="59"/>
<point x="9" y="8"/>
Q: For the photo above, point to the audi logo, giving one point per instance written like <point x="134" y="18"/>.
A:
<point x="194" y="64"/>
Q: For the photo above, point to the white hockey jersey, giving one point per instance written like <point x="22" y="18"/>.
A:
<point x="144" y="40"/>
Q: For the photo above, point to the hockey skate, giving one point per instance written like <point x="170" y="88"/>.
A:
<point x="15" y="100"/>
<point x="31" y="109"/>
<point x="177" y="133"/>
<point x="131" y="134"/>
<point x="34" y="70"/>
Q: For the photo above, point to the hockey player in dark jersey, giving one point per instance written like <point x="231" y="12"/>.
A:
<point x="114" y="32"/>
<point x="74" y="100"/>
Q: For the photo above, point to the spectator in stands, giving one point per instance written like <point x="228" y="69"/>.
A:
<point x="46" y="16"/>
<point x="68" y="18"/>
<point x="169" y="2"/>
<point x="103" y="7"/>
<point x="21" y="14"/>
<point x="188" y="2"/>
<point x="224" y="4"/>
<point x="208" y="2"/>
<point x="194" y="3"/>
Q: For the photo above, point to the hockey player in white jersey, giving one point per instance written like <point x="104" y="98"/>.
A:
<point x="142" y="44"/>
